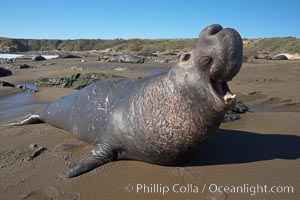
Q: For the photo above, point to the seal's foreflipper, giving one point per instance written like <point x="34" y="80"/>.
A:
<point x="29" y="119"/>
<point x="101" y="154"/>
<point x="84" y="165"/>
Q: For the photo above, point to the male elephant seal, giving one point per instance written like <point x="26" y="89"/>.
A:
<point x="161" y="119"/>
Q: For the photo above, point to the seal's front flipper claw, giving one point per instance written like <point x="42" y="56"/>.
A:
<point x="101" y="154"/>
<point x="29" y="119"/>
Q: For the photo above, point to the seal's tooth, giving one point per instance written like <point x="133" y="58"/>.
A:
<point x="229" y="96"/>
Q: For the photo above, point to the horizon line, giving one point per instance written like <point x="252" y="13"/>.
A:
<point x="183" y="38"/>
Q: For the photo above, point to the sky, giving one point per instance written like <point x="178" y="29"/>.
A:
<point x="146" y="19"/>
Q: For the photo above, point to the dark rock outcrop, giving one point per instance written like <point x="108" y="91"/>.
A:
<point x="6" y="84"/>
<point x="76" y="81"/>
<point x="231" y="116"/>
<point x="38" y="58"/>
<point x="24" y="66"/>
<point x="128" y="58"/>
<point x="234" y="112"/>
<point x="239" y="107"/>
<point x="69" y="56"/>
<point x="5" y="72"/>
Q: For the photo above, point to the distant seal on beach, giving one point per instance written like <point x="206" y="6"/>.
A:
<point x="162" y="119"/>
<point x="5" y="72"/>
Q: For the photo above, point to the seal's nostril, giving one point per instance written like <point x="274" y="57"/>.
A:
<point x="185" y="57"/>
<point x="206" y="60"/>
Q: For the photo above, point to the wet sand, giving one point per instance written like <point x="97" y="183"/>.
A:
<point x="261" y="149"/>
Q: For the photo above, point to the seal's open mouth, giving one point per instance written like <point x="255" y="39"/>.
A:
<point x="222" y="90"/>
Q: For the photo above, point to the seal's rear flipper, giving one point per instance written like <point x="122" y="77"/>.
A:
<point x="29" y="119"/>
<point x="101" y="154"/>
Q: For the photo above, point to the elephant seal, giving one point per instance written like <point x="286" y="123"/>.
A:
<point x="161" y="119"/>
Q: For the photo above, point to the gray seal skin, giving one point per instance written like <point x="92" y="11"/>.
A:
<point x="161" y="119"/>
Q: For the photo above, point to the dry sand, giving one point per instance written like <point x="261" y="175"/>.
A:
<point x="262" y="149"/>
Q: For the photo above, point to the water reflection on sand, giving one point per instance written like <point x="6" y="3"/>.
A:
<point x="17" y="102"/>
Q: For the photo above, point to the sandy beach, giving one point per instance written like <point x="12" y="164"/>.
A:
<point x="259" y="154"/>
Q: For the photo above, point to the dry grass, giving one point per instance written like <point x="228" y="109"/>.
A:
<point x="271" y="45"/>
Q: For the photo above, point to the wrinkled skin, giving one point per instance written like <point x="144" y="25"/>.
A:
<point x="161" y="119"/>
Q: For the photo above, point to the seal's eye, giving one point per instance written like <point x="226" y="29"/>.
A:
<point x="185" y="57"/>
<point x="206" y="60"/>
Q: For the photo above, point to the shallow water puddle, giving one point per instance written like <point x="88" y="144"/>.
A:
<point x="17" y="102"/>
